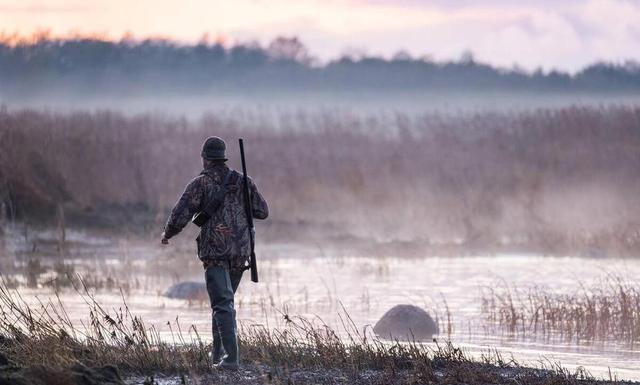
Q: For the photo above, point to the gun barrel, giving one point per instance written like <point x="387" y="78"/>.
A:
<point x="249" y="212"/>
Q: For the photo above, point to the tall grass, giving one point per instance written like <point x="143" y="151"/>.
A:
<point x="609" y="311"/>
<point x="534" y="179"/>
<point x="44" y="334"/>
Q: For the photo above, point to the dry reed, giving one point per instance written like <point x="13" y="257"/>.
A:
<point x="44" y="334"/>
<point x="608" y="311"/>
<point x="488" y="180"/>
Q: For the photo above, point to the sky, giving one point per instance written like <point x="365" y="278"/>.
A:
<point x="561" y="34"/>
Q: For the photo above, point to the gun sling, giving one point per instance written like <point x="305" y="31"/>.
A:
<point x="216" y="200"/>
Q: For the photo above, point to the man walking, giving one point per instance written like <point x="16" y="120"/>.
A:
<point x="223" y="243"/>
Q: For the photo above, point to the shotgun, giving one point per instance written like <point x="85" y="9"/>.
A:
<point x="249" y="211"/>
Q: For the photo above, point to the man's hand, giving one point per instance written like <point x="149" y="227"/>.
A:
<point x="164" y="240"/>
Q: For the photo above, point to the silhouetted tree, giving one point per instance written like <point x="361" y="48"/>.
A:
<point x="92" y="65"/>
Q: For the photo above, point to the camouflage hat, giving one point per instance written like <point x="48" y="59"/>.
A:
<point x="214" y="149"/>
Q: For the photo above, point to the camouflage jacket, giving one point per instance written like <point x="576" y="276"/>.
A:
<point x="224" y="238"/>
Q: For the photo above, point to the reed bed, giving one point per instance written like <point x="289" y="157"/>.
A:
<point x="529" y="180"/>
<point x="606" y="311"/>
<point x="44" y="334"/>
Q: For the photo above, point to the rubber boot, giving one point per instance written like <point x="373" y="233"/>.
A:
<point x="227" y="330"/>
<point x="217" y="351"/>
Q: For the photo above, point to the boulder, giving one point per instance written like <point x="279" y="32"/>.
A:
<point x="406" y="322"/>
<point x="192" y="291"/>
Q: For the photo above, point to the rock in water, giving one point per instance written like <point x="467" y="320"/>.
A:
<point x="193" y="291"/>
<point x="406" y="322"/>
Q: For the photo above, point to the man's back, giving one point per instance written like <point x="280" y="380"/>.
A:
<point x="225" y="236"/>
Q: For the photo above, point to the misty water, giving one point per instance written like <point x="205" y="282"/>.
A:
<point x="269" y="104"/>
<point x="325" y="284"/>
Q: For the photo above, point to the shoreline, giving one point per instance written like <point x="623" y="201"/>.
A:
<point x="440" y="370"/>
<point x="40" y="343"/>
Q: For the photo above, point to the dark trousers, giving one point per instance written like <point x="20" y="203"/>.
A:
<point x="222" y="285"/>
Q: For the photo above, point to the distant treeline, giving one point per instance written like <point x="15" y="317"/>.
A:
<point x="539" y="180"/>
<point x="96" y="66"/>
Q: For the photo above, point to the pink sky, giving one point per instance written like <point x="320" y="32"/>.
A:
<point x="564" y="34"/>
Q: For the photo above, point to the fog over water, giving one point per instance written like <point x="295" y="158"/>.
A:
<point x="364" y="102"/>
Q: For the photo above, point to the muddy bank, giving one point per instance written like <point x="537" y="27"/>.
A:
<point x="455" y="370"/>
<point x="38" y="374"/>
<point x="250" y="374"/>
<point x="444" y="373"/>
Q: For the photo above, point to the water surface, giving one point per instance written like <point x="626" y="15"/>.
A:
<point x="317" y="284"/>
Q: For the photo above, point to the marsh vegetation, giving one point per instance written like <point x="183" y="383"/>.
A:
<point x="373" y="209"/>
<point x="609" y="310"/>
<point x="44" y="333"/>
<point x="332" y="289"/>
<point x="413" y="184"/>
